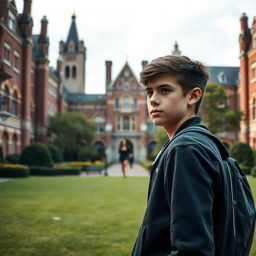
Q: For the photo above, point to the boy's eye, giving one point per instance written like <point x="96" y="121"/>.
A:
<point x="164" y="91"/>
<point x="149" y="93"/>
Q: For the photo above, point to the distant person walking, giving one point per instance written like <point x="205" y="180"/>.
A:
<point x="124" y="156"/>
<point x="131" y="160"/>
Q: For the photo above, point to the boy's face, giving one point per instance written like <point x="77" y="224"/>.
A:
<point x="167" y="105"/>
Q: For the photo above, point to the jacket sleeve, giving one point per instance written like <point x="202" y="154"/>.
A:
<point x="188" y="183"/>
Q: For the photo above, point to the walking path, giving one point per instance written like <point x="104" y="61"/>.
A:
<point x="137" y="170"/>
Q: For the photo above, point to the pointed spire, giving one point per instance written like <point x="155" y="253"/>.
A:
<point x="73" y="35"/>
<point x="176" y="50"/>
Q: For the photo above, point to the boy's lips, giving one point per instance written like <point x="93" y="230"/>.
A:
<point x="155" y="111"/>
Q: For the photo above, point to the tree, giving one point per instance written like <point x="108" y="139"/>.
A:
<point x="216" y="114"/>
<point x="72" y="133"/>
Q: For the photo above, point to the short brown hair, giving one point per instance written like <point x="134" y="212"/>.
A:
<point x="189" y="74"/>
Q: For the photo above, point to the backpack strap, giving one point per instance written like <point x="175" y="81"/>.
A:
<point x="203" y="130"/>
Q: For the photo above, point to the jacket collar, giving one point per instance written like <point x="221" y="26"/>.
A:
<point x="193" y="121"/>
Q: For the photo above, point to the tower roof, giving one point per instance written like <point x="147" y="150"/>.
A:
<point x="73" y="35"/>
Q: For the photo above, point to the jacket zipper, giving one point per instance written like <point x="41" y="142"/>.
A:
<point x="233" y="202"/>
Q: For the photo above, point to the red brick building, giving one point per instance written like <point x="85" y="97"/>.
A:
<point x="247" y="40"/>
<point x="30" y="89"/>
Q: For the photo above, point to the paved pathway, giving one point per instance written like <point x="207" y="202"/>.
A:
<point x="137" y="170"/>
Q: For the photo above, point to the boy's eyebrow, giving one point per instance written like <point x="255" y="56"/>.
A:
<point x="160" y="86"/>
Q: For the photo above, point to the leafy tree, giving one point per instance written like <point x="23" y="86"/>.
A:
<point x="72" y="133"/>
<point x="215" y="113"/>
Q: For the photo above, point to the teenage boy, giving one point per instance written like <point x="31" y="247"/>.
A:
<point x="187" y="211"/>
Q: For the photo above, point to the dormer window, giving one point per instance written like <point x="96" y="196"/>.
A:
<point x="71" y="46"/>
<point x="222" y="78"/>
<point x="11" y="20"/>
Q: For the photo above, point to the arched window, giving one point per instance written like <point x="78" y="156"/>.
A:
<point x="15" y="144"/>
<point x="100" y="148"/>
<point x="67" y="72"/>
<point x="5" y="101"/>
<point x="14" y="103"/>
<point x="5" y="144"/>
<point x="126" y="85"/>
<point x="126" y="102"/>
<point x="126" y="123"/>
<point x="74" y="71"/>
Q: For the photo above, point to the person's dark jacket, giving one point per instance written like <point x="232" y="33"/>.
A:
<point x="189" y="207"/>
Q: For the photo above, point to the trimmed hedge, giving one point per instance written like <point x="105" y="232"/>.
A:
<point x="243" y="153"/>
<point x="13" y="158"/>
<point x="55" y="153"/>
<point x="36" y="155"/>
<point x="146" y="165"/>
<point x="246" y="169"/>
<point x="54" y="171"/>
<point x="253" y="172"/>
<point x="14" y="172"/>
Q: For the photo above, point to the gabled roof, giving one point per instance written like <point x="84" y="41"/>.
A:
<point x="125" y="67"/>
<point x="73" y="35"/>
<point x="224" y="75"/>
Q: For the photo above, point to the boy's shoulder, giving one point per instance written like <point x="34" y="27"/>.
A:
<point x="194" y="138"/>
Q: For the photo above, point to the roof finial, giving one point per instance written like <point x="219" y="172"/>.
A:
<point x="176" y="50"/>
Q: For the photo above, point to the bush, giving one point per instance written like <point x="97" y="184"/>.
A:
<point x="36" y="155"/>
<point x="56" y="154"/>
<point x="242" y="153"/>
<point x="14" y="172"/>
<point x="13" y="158"/>
<point x="1" y="155"/>
<point x="54" y="171"/>
<point x="253" y="172"/>
<point x="146" y="165"/>
<point x="246" y="169"/>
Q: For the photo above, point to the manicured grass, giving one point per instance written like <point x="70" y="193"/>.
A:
<point x="99" y="216"/>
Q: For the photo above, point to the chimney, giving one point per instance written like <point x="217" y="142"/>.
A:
<point x="27" y="7"/>
<point x="59" y="65"/>
<point x="108" y="72"/>
<point x="144" y="63"/>
<point x="244" y="22"/>
<point x="44" y="23"/>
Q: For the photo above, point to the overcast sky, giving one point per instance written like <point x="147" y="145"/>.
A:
<point x="135" y="30"/>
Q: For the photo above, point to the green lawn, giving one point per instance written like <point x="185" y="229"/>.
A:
<point x="99" y="216"/>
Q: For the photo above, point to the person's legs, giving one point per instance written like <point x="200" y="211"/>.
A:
<point x="124" y="167"/>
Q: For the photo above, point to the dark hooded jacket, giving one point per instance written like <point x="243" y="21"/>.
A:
<point x="189" y="207"/>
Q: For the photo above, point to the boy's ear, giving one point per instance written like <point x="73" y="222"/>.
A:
<point x="195" y="95"/>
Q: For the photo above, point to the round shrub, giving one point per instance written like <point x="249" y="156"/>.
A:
<point x="253" y="172"/>
<point x="242" y="153"/>
<point x="56" y="154"/>
<point x="36" y="154"/>
<point x="13" y="158"/>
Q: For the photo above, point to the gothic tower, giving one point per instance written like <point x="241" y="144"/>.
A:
<point x="73" y="54"/>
